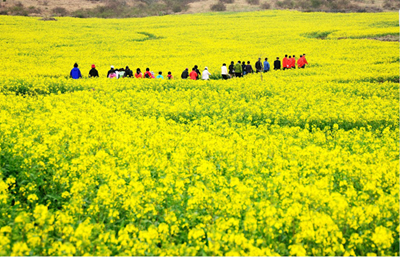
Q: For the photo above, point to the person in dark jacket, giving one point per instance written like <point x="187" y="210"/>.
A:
<point x="185" y="74"/>
<point x="277" y="64"/>
<point x="244" y="68"/>
<point x="249" y="69"/>
<point x="232" y="69"/>
<point x="196" y="68"/>
<point x="259" y="65"/>
<point x="93" y="73"/>
<point x="128" y="72"/>
<point x="110" y="71"/>
<point x="75" y="72"/>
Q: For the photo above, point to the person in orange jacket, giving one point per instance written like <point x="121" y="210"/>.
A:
<point x="300" y="62"/>
<point x="285" y="62"/>
<point x="138" y="74"/>
<point x="293" y="62"/>
<point x="193" y="74"/>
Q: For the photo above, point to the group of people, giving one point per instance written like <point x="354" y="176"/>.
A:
<point x="195" y="74"/>
<point x="119" y="73"/>
<point x="290" y="62"/>
<point x="128" y="73"/>
<point x="241" y="68"/>
<point x="234" y="70"/>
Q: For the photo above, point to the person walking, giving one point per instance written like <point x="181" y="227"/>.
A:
<point x="169" y="76"/>
<point x="196" y="68"/>
<point x="277" y="64"/>
<point x="148" y="74"/>
<point x="185" y="74"/>
<point x="266" y="65"/>
<point x="138" y="74"/>
<point x="224" y="71"/>
<point x="128" y="72"/>
<point x="93" y="73"/>
<point x="110" y="71"/>
<point x="244" y="68"/>
<point x="238" y="70"/>
<point x="75" y="72"/>
<point x="259" y="66"/>
<point x="285" y="62"/>
<point x="249" y="69"/>
<point x="232" y="69"/>
<point x="160" y="76"/>
<point x="120" y="73"/>
<point x="193" y="74"/>
<point x="206" y="74"/>
<point x="304" y="60"/>
<point x="300" y="62"/>
<point x="293" y="62"/>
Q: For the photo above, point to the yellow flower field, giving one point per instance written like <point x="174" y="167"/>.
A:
<point x="297" y="162"/>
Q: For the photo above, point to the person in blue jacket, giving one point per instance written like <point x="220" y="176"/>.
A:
<point x="266" y="65"/>
<point x="75" y="72"/>
<point x="160" y="76"/>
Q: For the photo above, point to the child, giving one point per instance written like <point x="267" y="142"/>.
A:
<point x="169" y="75"/>
<point x="160" y="76"/>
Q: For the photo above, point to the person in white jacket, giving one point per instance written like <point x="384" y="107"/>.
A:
<point x="224" y="71"/>
<point x="206" y="74"/>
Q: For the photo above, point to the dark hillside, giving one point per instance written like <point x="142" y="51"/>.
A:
<point x="141" y="8"/>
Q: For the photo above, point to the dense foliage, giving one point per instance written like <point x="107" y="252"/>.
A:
<point x="296" y="162"/>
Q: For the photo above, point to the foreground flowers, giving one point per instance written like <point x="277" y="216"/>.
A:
<point x="303" y="162"/>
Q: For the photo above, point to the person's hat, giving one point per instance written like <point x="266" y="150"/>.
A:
<point x="93" y="66"/>
<point x="112" y="66"/>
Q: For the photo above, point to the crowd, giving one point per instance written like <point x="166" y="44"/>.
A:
<point x="234" y="70"/>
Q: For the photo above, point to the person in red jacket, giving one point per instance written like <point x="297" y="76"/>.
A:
<point x="285" y="62"/>
<point x="304" y="60"/>
<point x="300" y="62"/>
<point x="169" y="75"/>
<point x="193" y="74"/>
<point x="293" y="62"/>
<point x="148" y="74"/>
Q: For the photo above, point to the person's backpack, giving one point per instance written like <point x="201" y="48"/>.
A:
<point x="146" y="75"/>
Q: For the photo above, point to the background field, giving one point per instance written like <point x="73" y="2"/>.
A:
<point x="143" y="8"/>
<point x="297" y="162"/>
